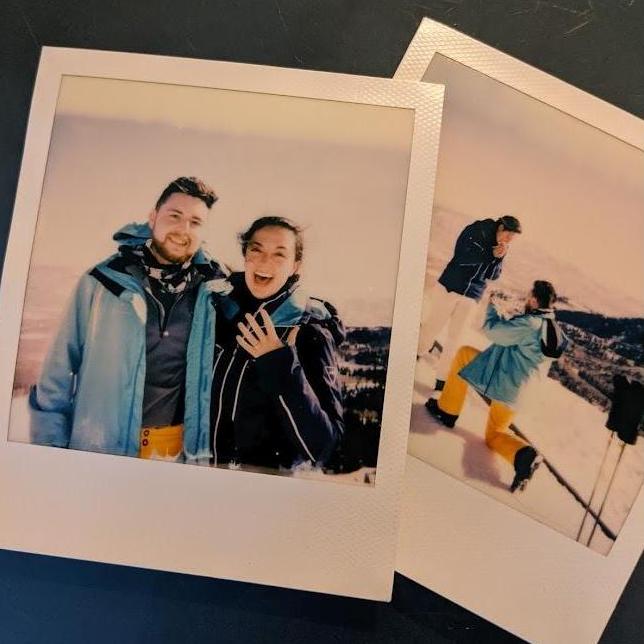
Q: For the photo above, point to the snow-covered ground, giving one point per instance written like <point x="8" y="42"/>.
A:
<point x="568" y="431"/>
<point x="19" y="432"/>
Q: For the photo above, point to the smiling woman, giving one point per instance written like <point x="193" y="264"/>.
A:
<point x="272" y="249"/>
<point x="276" y="396"/>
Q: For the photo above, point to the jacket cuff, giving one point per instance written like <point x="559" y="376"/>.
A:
<point x="47" y="427"/>
<point x="275" y="368"/>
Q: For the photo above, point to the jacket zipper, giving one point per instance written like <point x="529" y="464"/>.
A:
<point x="220" y="405"/>
<point x="223" y="384"/>
<point x="164" y="316"/>
<point x="294" y="426"/>
<point x="241" y="376"/>
<point x="467" y="288"/>
<point x="221" y="353"/>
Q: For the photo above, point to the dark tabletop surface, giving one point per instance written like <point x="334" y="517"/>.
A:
<point x="597" y="45"/>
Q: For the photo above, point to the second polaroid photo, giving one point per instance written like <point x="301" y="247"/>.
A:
<point x="528" y="390"/>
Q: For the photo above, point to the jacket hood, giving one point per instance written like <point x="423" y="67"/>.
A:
<point x="326" y="315"/>
<point x="132" y="234"/>
<point x="135" y="234"/>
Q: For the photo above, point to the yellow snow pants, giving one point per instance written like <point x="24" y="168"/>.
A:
<point x="161" y="442"/>
<point x="499" y="417"/>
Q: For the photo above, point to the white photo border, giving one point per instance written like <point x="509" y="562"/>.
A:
<point x="290" y="532"/>
<point x="489" y="558"/>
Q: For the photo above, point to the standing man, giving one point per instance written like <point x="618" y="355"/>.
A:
<point x="129" y="371"/>
<point x="501" y="371"/>
<point x="478" y="257"/>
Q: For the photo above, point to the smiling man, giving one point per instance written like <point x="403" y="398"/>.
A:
<point x="127" y="370"/>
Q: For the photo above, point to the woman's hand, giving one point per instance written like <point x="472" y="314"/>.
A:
<point x="258" y="341"/>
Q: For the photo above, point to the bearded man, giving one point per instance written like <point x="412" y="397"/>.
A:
<point x="129" y="370"/>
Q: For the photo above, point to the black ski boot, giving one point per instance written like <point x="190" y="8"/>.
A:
<point x="449" y="420"/>
<point x="525" y="464"/>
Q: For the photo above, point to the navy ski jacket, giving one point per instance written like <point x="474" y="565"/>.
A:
<point x="473" y="263"/>
<point x="285" y="407"/>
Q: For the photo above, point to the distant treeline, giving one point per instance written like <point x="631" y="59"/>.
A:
<point x="600" y="348"/>
<point x="626" y="335"/>
<point x="365" y="353"/>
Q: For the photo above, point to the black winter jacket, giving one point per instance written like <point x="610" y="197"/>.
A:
<point x="285" y="407"/>
<point x="473" y="263"/>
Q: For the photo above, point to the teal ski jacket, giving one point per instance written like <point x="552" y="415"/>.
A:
<point x="514" y="356"/>
<point x="89" y="395"/>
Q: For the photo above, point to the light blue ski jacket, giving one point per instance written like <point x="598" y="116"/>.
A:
<point x="89" y="396"/>
<point x="515" y="354"/>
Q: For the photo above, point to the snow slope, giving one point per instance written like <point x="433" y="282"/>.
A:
<point x="566" y="429"/>
<point x="19" y="432"/>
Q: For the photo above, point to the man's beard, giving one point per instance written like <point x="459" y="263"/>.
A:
<point x="162" y="249"/>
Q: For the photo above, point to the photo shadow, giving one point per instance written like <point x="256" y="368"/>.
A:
<point x="478" y="461"/>
<point x="421" y="422"/>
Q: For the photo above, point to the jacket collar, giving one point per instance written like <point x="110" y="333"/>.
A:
<point x="544" y="313"/>
<point x="135" y="234"/>
<point x="286" y="308"/>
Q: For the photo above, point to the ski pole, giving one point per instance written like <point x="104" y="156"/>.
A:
<point x="592" y="494"/>
<point x="610" y="483"/>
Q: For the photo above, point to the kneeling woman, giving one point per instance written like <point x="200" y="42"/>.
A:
<point x="276" y="397"/>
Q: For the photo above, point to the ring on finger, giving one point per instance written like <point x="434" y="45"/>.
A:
<point x="248" y="335"/>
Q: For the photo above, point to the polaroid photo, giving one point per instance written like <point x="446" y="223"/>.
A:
<point x="210" y="304"/>
<point x="523" y="495"/>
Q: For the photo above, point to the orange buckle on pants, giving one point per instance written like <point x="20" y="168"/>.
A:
<point x="164" y="442"/>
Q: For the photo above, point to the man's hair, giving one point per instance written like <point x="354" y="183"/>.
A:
<point x="545" y="294"/>
<point x="510" y="223"/>
<point x="280" y="222"/>
<point x="188" y="186"/>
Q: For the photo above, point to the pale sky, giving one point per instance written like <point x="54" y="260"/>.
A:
<point x="578" y="192"/>
<point x="236" y="112"/>
<point x="339" y="170"/>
